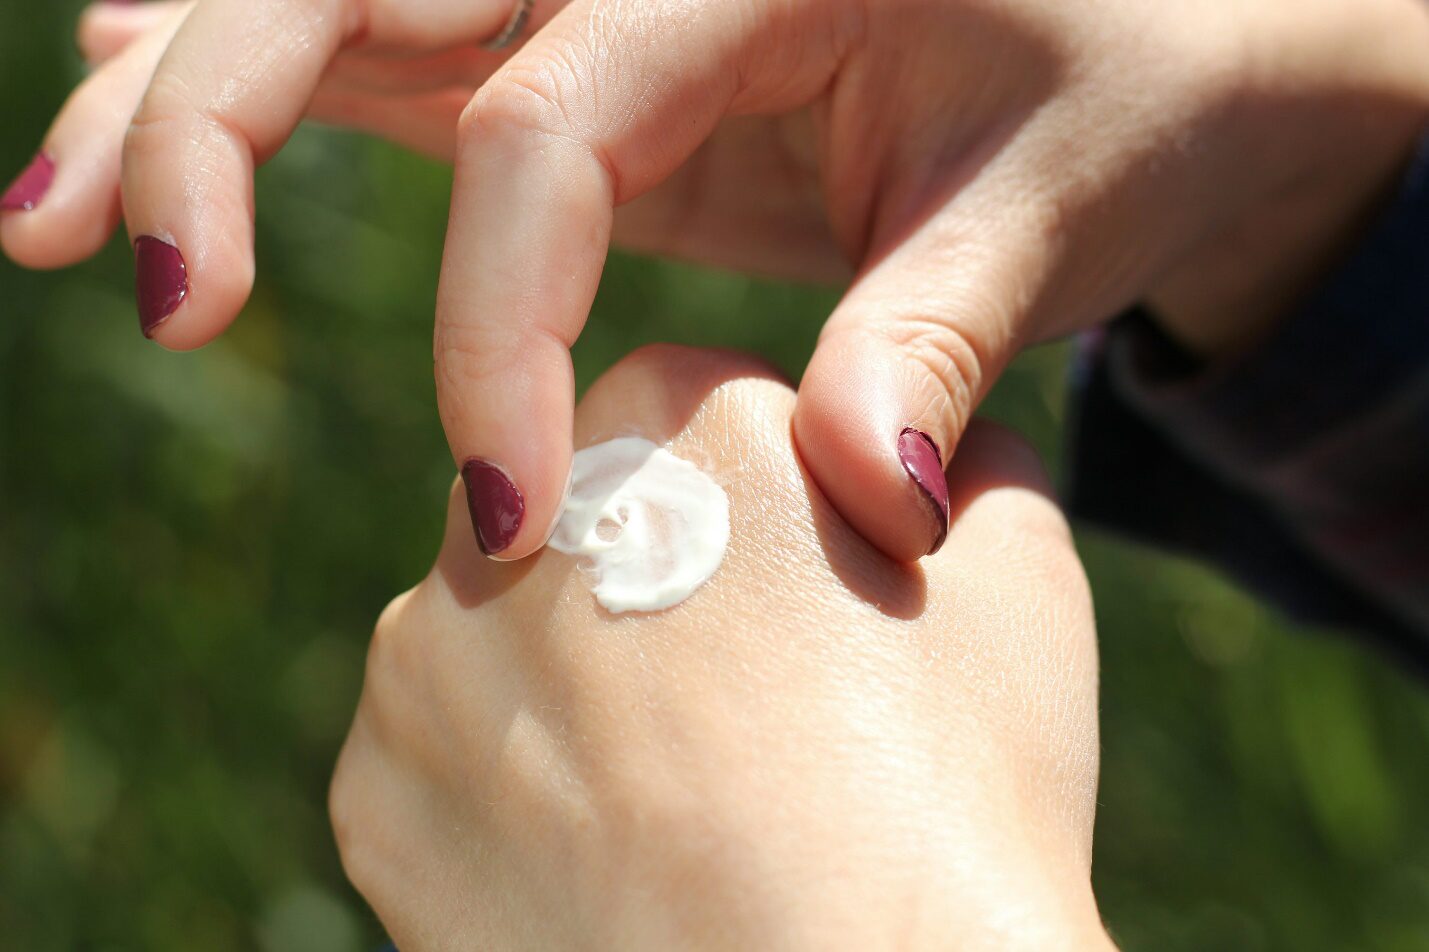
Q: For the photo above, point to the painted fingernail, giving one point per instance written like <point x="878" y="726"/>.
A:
<point x="496" y="505"/>
<point x="924" y="463"/>
<point x="161" y="281"/>
<point x="27" y="190"/>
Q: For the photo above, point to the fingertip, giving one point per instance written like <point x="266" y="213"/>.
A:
<point x="54" y="213"/>
<point x="161" y="283"/>
<point x="505" y="528"/>
<point x="900" y="510"/>
<point x="497" y="507"/>
<point x="29" y="188"/>
<point x="21" y="247"/>
<point x="508" y="415"/>
<point x="15" y="241"/>
<point x="923" y="462"/>
<point x="183" y="304"/>
<point x="879" y="463"/>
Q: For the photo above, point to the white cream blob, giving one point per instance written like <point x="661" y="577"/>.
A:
<point x="649" y="527"/>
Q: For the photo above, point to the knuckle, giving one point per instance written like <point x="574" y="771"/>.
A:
<point x="1013" y="451"/>
<point x="527" y="96"/>
<point x="349" y="818"/>
<point x="398" y="663"/>
<point x="668" y="374"/>
<point x="655" y="361"/>
<point x="717" y="399"/>
<point x="947" y="368"/>
<point x="1032" y="515"/>
<point x="465" y="359"/>
<point x="147" y="131"/>
<point x="169" y="106"/>
<point x="390" y="652"/>
<point x="308" y="18"/>
<point x="1014" y="487"/>
<point x="673" y="362"/>
<point x="463" y="342"/>
<point x="1049" y="562"/>
<point x="341" y="807"/>
<point x="391" y="617"/>
<point x="392" y="661"/>
<point x="1025" y="534"/>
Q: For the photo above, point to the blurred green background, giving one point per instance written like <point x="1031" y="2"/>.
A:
<point x="193" y="550"/>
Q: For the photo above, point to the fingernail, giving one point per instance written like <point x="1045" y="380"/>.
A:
<point x="161" y="281"/>
<point x="924" y="463"/>
<point x="27" y="190"/>
<point x="496" y="505"/>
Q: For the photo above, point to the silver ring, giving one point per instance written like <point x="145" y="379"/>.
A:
<point x="513" y="28"/>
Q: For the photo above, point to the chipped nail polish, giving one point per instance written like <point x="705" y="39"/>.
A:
<point x="496" y="505"/>
<point x="160" y="281"/>
<point x="924" y="463"/>
<point x="31" y="185"/>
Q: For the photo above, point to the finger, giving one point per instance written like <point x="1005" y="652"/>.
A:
<point x="106" y="28"/>
<point x="233" y="85"/>
<point x="906" y="358"/>
<point x="65" y="206"/>
<point x="409" y="100"/>
<point x="542" y="159"/>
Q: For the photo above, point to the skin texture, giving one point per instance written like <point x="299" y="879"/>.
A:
<point x="985" y="173"/>
<point x="852" y="754"/>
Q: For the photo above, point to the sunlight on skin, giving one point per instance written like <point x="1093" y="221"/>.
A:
<point x="821" y="748"/>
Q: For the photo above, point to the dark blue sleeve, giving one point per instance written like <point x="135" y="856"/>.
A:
<point x="1301" y="468"/>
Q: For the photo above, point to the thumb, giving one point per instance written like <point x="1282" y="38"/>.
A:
<point x="903" y="362"/>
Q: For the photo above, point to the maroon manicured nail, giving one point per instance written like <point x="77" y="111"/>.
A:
<point x="27" y="190"/>
<point x="161" y="281"/>
<point x="496" y="505"/>
<point x="924" y="463"/>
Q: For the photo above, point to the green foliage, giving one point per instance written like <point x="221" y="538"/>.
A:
<point x="193" y="550"/>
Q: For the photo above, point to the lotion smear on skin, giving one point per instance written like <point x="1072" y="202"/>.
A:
<point x="651" y="527"/>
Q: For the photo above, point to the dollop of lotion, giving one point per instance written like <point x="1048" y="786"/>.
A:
<point x="648" y="526"/>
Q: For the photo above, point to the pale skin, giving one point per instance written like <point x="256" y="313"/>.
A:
<point x="984" y="173"/>
<point x="848" y="752"/>
<point x="843" y="753"/>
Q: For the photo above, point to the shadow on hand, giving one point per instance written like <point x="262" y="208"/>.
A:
<point x="899" y="590"/>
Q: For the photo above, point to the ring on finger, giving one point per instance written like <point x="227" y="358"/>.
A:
<point x="520" y="16"/>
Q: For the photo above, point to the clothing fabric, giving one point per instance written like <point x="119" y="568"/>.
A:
<point x="1302" y="467"/>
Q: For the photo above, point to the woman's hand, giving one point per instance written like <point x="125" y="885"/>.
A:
<point x="821" y="749"/>
<point x="993" y="172"/>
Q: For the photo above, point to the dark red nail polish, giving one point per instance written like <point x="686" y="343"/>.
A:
<point x="924" y="463"/>
<point x="27" y="190"/>
<point x="496" y="505"/>
<point x="161" y="281"/>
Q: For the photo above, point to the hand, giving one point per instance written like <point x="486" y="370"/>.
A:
<point x="995" y="173"/>
<point x="821" y="749"/>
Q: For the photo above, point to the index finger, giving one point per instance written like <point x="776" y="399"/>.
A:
<point x="603" y="105"/>
<point x="231" y="88"/>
